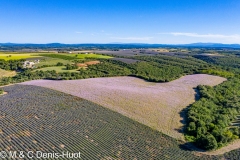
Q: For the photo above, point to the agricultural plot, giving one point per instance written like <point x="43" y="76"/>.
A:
<point x="4" y="73"/>
<point x="85" y="64"/>
<point x="157" y="105"/>
<point x="40" y="119"/>
<point x="51" y="61"/>
<point x="84" y="56"/>
<point x="71" y="56"/>
<point x="129" y="52"/>
<point x="17" y="56"/>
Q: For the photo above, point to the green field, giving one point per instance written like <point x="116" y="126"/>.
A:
<point x="84" y="56"/>
<point x="57" y="69"/>
<point x="17" y="56"/>
<point x="75" y="56"/>
<point x="52" y="61"/>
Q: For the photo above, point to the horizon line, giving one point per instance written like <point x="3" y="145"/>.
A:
<point x="198" y="43"/>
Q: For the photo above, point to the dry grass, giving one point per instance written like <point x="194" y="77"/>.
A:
<point x="92" y="62"/>
<point x="87" y="63"/>
<point x="157" y="105"/>
<point x="4" y="73"/>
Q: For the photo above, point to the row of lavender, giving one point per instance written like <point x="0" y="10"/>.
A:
<point x="39" y="119"/>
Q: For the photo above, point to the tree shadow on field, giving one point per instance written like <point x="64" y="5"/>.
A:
<point x="183" y="113"/>
<point x="188" y="146"/>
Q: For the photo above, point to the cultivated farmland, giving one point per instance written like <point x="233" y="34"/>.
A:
<point x="51" y="61"/>
<point x="157" y="105"/>
<point x="39" y="119"/>
<point x="71" y="56"/>
<point x="129" y="52"/>
<point x="17" y="56"/>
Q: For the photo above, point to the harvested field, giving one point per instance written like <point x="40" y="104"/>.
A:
<point x="92" y="62"/>
<point x="84" y="65"/>
<point x="157" y="105"/>
<point x="4" y="73"/>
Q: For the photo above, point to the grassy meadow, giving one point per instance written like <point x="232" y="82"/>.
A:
<point x="52" y="61"/>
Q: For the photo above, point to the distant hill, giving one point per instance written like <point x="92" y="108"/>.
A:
<point x="118" y="45"/>
<point x="214" y="45"/>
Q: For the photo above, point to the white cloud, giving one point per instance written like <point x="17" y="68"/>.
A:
<point x="78" y="32"/>
<point x="133" y="38"/>
<point x="235" y="36"/>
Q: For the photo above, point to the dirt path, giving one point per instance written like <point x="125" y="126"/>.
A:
<point x="232" y="146"/>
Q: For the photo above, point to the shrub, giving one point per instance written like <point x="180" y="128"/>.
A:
<point x="1" y="91"/>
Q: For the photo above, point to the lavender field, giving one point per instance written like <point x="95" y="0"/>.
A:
<point x="157" y="105"/>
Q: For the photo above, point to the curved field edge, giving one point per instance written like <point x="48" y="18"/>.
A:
<point x="157" y="105"/>
<point x="38" y="118"/>
<point x="230" y="147"/>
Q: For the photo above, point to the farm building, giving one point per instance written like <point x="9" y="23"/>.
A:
<point x="29" y="64"/>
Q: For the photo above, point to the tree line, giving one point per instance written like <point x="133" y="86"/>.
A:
<point x="210" y="118"/>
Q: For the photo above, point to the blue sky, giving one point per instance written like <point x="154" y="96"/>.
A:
<point x="128" y="21"/>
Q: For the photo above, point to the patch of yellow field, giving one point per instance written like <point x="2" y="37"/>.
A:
<point x="17" y="56"/>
